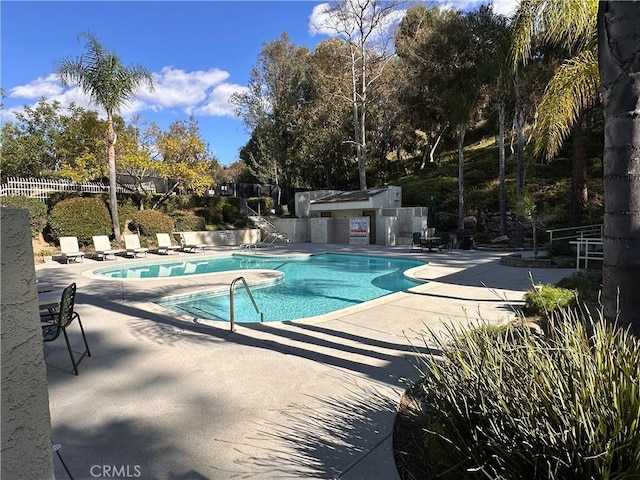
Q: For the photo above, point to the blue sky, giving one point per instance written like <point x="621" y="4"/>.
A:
<point x="199" y="53"/>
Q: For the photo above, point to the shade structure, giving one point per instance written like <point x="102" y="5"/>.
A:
<point x="431" y="214"/>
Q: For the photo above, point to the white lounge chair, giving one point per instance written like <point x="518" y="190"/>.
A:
<point x="190" y="242"/>
<point x="69" y="249"/>
<point x="164" y="244"/>
<point x="103" y="247"/>
<point x="132" y="244"/>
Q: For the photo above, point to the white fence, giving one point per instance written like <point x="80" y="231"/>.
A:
<point x="40" y="187"/>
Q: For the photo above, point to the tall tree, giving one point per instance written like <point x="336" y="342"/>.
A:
<point x="573" y="90"/>
<point x="619" y="65"/>
<point x="29" y="145"/>
<point x="110" y="85"/>
<point x="272" y="109"/>
<point x="365" y="27"/>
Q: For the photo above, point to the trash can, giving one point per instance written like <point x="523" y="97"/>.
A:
<point x="467" y="242"/>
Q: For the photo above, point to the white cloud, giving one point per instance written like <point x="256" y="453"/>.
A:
<point x="502" y="7"/>
<point x="218" y="100"/>
<point x="40" y="87"/>
<point x="202" y="92"/>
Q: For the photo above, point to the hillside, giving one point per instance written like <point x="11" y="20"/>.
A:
<point x="549" y="184"/>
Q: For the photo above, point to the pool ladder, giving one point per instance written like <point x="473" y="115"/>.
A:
<point x="231" y="303"/>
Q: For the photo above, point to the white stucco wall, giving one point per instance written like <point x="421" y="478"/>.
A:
<point x="26" y="425"/>
<point x="297" y="229"/>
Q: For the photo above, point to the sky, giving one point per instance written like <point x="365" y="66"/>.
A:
<point x="199" y="53"/>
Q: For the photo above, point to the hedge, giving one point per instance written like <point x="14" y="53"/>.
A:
<point x="150" y="222"/>
<point x="81" y="217"/>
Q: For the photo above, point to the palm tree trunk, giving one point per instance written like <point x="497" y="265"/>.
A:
<point x="111" y="165"/>
<point x="579" y="193"/>
<point x="618" y="59"/>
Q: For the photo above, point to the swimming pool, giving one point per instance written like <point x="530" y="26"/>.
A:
<point x="313" y="285"/>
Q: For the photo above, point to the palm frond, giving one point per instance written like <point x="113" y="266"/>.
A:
<point x="573" y="88"/>
<point x="570" y="24"/>
<point x="101" y="75"/>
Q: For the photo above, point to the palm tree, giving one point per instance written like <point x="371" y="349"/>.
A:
<point x="574" y="87"/>
<point x="110" y="85"/>
<point x="619" y="62"/>
<point x="605" y="39"/>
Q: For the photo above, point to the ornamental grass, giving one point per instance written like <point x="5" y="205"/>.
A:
<point x="509" y="403"/>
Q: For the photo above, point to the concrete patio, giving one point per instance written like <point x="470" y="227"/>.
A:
<point x="169" y="397"/>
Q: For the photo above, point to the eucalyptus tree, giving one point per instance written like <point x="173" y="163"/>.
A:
<point x="110" y="85"/>
<point x="493" y="34"/>
<point x="366" y="27"/>
<point x="272" y="109"/>
<point x="416" y="44"/>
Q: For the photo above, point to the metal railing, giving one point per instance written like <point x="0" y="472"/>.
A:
<point x="572" y="233"/>
<point x="231" y="302"/>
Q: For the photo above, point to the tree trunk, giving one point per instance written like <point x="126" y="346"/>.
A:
<point x="462" y="131"/>
<point x="519" y="122"/>
<point x="619" y="63"/>
<point x="111" y="165"/>
<point x="578" y="171"/>
<point x="501" y="167"/>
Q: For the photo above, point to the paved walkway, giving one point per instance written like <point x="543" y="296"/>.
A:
<point x="164" y="397"/>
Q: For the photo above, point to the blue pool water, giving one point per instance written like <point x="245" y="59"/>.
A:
<point x="312" y="286"/>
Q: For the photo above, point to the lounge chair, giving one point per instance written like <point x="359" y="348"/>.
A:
<point x="61" y="320"/>
<point x="164" y="244"/>
<point x="103" y="247"/>
<point x="190" y="243"/>
<point x="132" y="244"/>
<point x="70" y="250"/>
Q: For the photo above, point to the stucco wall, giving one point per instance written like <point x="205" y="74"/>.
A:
<point x="26" y="425"/>
<point x="297" y="229"/>
<point x="219" y="238"/>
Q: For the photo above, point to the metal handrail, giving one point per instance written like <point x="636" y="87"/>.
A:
<point x="231" y="303"/>
<point x="575" y="232"/>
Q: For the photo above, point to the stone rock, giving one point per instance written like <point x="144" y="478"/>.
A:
<point x="501" y="239"/>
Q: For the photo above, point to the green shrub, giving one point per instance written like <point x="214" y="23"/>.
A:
<point x="588" y="284"/>
<point x="37" y="211"/>
<point x="126" y="213"/>
<point x="188" y="222"/>
<point x="266" y="204"/>
<point x="546" y="298"/>
<point x="230" y="213"/>
<point x="213" y="215"/>
<point x="80" y="217"/>
<point x="560" y="248"/>
<point x="512" y="405"/>
<point x="150" y="222"/>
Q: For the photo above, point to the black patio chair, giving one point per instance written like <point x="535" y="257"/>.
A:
<point x="417" y="241"/>
<point x="60" y="320"/>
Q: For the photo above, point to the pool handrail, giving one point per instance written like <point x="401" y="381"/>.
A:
<point x="231" y="302"/>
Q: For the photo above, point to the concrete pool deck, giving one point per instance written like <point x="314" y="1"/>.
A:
<point x="172" y="398"/>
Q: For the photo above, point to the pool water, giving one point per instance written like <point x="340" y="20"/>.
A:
<point x="312" y="286"/>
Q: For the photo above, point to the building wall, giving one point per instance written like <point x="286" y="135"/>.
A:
<point x="297" y="229"/>
<point x="26" y="424"/>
